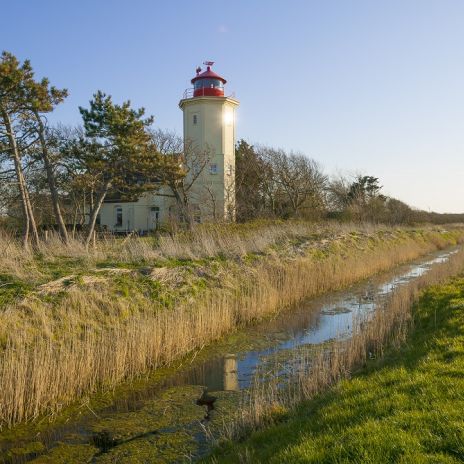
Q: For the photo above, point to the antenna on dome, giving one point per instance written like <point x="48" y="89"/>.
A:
<point x="208" y="63"/>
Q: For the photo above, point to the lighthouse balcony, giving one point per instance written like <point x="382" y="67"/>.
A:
<point x="205" y="92"/>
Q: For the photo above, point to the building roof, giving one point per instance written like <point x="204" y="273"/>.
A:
<point x="208" y="74"/>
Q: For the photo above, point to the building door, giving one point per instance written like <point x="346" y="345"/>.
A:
<point x="154" y="218"/>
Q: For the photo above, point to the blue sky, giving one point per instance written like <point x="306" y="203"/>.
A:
<point x="375" y="87"/>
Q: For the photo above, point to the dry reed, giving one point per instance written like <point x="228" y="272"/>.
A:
<point x="204" y="241"/>
<point x="55" y="352"/>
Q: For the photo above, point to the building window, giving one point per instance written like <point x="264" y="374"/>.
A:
<point x="118" y="217"/>
<point x="213" y="168"/>
<point x="154" y="217"/>
<point x="195" y="119"/>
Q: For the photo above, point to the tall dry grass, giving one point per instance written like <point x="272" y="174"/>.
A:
<point x="209" y="240"/>
<point x="318" y="370"/>
<point x="204" y="241"/>
<point x="53" y="351"/>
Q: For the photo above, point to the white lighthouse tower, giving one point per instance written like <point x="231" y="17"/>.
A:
<point x="209" y="126"/>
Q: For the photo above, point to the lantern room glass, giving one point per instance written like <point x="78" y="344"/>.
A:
<point x="208" y="84"/>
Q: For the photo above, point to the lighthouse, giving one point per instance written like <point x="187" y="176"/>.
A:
<point x="209" y="127"/>
<point x="209" y="162"/>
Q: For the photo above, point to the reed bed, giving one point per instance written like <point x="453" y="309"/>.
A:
<point x="56" y="350"/>
<point x="205" y="241"/>
<point x="317" y="371"/>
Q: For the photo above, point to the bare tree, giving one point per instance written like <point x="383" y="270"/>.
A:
<point x="183" y="165"/>
<point x="297" y="183"/>
<point x="338" y="193"/>
<point x="209" y="198"/>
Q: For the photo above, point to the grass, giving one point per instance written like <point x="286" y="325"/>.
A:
<point x="83" y="322"/>
<point x="406" y="407"/>
<point x="11" y="289"/>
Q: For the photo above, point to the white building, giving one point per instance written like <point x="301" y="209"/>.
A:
<point x="209" y="127"/>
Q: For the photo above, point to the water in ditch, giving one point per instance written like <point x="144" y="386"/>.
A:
<point x="162" y="418"/>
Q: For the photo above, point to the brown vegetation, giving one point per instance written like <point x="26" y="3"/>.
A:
<point x="57" y="347"/>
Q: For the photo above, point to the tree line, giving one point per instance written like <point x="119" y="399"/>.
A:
<point x="60" y="176"/>
<point x="274" y="183"/>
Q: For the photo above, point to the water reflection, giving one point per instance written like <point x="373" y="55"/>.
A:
<point x="230" y="373"/>
<point x="218" y="374"/>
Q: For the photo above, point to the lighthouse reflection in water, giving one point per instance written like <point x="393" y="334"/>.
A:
<point x="220" y="374"/>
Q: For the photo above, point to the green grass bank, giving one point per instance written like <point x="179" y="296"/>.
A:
<point x="407" y="407"/>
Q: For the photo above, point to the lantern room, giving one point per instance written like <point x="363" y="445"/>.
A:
<point x="208" y="83"/>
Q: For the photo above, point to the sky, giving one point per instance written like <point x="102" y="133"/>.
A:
<point x="371" y="87"/>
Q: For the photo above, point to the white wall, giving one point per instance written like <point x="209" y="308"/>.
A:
<point x="214" y="130"/>
<point x="136" y="215"/>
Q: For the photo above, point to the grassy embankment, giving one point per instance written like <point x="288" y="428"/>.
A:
<point x="73" y="322"/>
<point x="404" y="407"/>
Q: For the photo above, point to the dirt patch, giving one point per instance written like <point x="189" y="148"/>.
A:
<point x="68" y="282"/>
<point x="114" y="270"/>
<point x="172" y="277"/>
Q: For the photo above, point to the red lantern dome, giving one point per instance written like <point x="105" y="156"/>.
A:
<point x="208" y="83"/>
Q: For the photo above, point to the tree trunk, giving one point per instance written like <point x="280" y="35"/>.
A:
<point x="33" y="225"/>
<point x="183" y="202"/>
<point x="51" y="179"/>
<point x="84" y="206"/>
<point x="29" y="222"/>
<point x="74" y="224"/>
<point x="91" y="199"/>
<point x="94" y="213"/>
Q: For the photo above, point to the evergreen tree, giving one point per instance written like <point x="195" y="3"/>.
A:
<point x="23" y="103"/>
<point x="117" y="152"/>
<point x="42" y="98"/>
<point x="13" y="112"/>
<point x="250" y="171"/>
